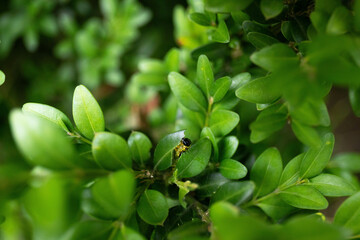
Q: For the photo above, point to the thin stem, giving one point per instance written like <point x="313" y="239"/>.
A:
<point x="199" y="208"/>
<point x="78" y="136"/>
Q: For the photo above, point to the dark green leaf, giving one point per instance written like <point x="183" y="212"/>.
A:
<point x="220" y="88"/>
<point x="285" y="30"/>
<point x="152" y="207"/>
<point x="212" y="50"/>
<point x="210" y="183"/>
<point x="221" y="33"/>
<point x="239" y="16"/>
<point x="87" y="113"/>
<point x="275" y="207"/>
<point x="232" y="169"/>
<point x="189" y="230"/>
<point x="204" y="74"/>
<point x="319" y="20"/>
<point x="111" y="151"/>
<point x="331" y="186"/>
<point x="348" y="214"/>
<point x="305" y="197"/>
<point x="226" y="6"/>
<point x="305" y="134"/>
<point x="266" y="171"/>
<point x="187" y="93"/>
<point x="194" y="160"/>
<point x="223" y="121"/>
<point x="200" y="18"/>
<point x="260" y="40"/>
<point x="312" y="113"/>
<point x="234" y="192"/>
<point x="354" y="97"/>
<point x="316" y="158"/>
<point x="90" y="229"/>
<point x="271" y="8"/>
<point x="140" y="146"/>
<point x="206" y="132"/>
<point x="164" y="150"/>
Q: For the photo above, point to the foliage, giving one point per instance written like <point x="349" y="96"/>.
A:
<point x="242" y="72"/>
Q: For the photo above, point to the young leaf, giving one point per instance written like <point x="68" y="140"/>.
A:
<point x="228" y="146"/>
<point x="187" y="93"/>
<point x="348" y="214"/>
<point x="291" y="171"/>
<point x="305" y="134"/>
<point x="234" y="192"/>
<point x="152" y="207"/>
<point x="331" y="185"/>
<point x="232" y="169"/>
<point x="223" y="121"/>
<point x="304" y="197"/>
<point x="200" y="18"/>
<point x="164" y="150"/>
<point x="194" y="160"/>
<point x="271" y="8"/>
<point x="220" y="88"/>
<point x="111" y="151"/>
<point x="40" y="141"/>
<point x="266" y="171"/>
<point x="49" y="113"/>
<point x="260" y="40"/>
<point x="275" y="207"/>
<point x="204" y="75"/>
<point x="140" y="146"/>
<point x="316" y="158"/>
<point x="221" y="33"/>
<point x="87" y="113"/>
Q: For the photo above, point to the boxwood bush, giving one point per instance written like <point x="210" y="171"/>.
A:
<point x="228" y="136"/>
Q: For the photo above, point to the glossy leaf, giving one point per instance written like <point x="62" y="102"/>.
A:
<point x="354" y="96"/>
<point x="305" y="197"/>
<point x="194" y="160"/>
<point x="260" y="40"/>
<point x="210" y="183"/>
<point x="348" y="214"/>
<point x="275" y="207"/>
<point x="312" y="113"/>
<point x="271" y="8"/>
<point x="111" y="151"/>
<point x="228" y="146"/>
<point x="40" y="140"/>
<point x="221" y="33"/>
<point x="200" y="18"/>
<point x="234" y="192"/>
<point x="266" y="171"/>
<point x="204" y="75"/>
<point x="232" y="169"/>
<point x="316" y="158"/>
<point x="331" y="185"/>
<point x="206" y="132"/>
<point x="291" y="171"/>
<point x="223" y="121"/>
<point x="220" y="88"/>
<point x="305" y="134"/>
<point x="49" y="113"/>
<point x="2" y="78"/>
<point x="164" y="150"/>
<point x="140" y="146"/>
<point x="87" y="113"/>
<point x="152" y="207"/>
<point x="187" y="93"/>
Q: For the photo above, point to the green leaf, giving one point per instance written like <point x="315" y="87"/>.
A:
<point x="354" y="97"/>
<point x="275" y="207"/>
<point x="111" y="151"/>
<point x="340" y="21"/>
<point x="87" y="113"/>
<point x="348" y="214"/>
<point x="305" y="134"/>
<point x="285" y="30"/>
<point x="223" y="121"/>
<point x="200" y="18"/>
<point x="206" y="132"/>
<point x="49" y="113"/>
<point x="291" y="171"/>
<point x="210" y="183"/>
<point x="187" y="93"/>
<point x="266" y="171"/>
<point x="228" y="146"/>
<point x="331" y="186"/>
<point x="311" y="112"/>
<point x="90" y="229"/>
<point x="239" y="17"/>
<point x="140" y="146"/>
<point x="220" y="88"/>
<point x="114" y="193"/>
<point x="221" y="33"/>
<point x="271" y="8"/>
<point x="194" y="160"/>
<point x="275" y="57"/>
<point x="319" y="20"/>
<point x="152" y="207"/>
<point x="226" y="6"/>
<point x="164" y="150"/>
<point x="232" y="169"/>
<point x="127" y="233"/>
<point x="259" y="90"/>
<point x="305" y="197"/>
<point x="152" y="66"/>
<point x="2" y="78"/>
<point x="40" y="141"/>
<point x="347" y="161"/>
<point x="204" y="75"/>
<point x="260" y="40"/>
<point x="357" y="16"/>
<point x="234" y="192"/>
<point x="149" y="79"/>
<point x="316" y="158"/>
<point x="189" y="230"/>
<point x="172" y="60"/>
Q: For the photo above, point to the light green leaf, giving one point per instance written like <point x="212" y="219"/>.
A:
<point x="152" y="207"/>
<point x="111" y="151"/>
<point x="232" y="169"/>
<point x="87" y="113"/>
<point x="163" y="154"/>
<point x="220" y="88"/>
<point x="234" y="192"/>
<point x="260" y="40"/>
<point x="291" y="171"/>
<point x="140" y="146"/>
<point x="316" y="158"/>
<point x="266" y="171"/>
<point x="311" y="112"/>
<point x="305" y="134"/>
<point x="172" y="60"/>
<point x="49" y="113"/>
<point x="305" y="197"/>
<point x="194" y="160"/>
<point x="221" y="33"/>
<point x="271" y="8"/>
<point x="204" y="75"/>
<point x="152" y="66"/>
<point x="340" y="21"/>
<point x="187" y="93"/>
<point x="89" y="229"/>
<point x="206" y="132"/>
<point x="2" y="78"/>
<point x="347" y="161"/>
<point x="348" y="214"/>
<point x="223" y="121"/>
<point x="275" y="207"/>
<point x="200" y="18"/>
<point x="331" y="185"/>
<point x="226" y="6"/>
